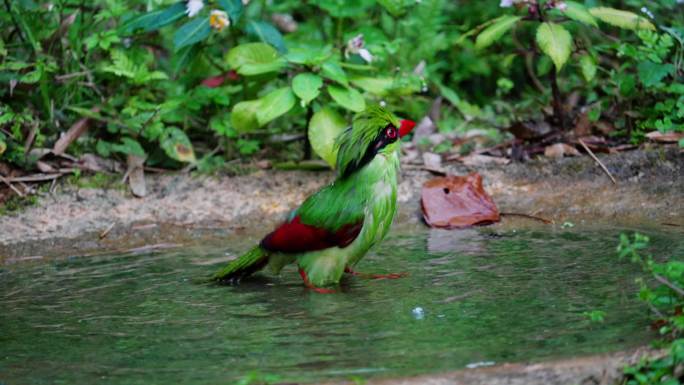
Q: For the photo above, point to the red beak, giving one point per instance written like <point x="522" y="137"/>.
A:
<point x="406" y="127"/>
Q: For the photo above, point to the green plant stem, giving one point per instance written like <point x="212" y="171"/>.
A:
<point x="557" y="101"/>
<point x="307" y="144"/>
<point x="340" y="36"/>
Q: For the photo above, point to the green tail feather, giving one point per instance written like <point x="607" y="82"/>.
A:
<point x="248" y="263"/>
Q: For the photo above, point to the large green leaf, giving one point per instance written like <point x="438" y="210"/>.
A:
<point x="588" y="66"/>
<point x="243" y="117"/>
<point x="494" y="31"/>
<point x="234" y="8"/>
<point x="622" y="19"/>
<point x="254" y="59"/>
<point x="378" y="86"/>
<point x="191" y="32"/>
<point x="348" y="98"/>
<point x="555" y="41"/>
<point x="274" y="104"/>
<point x="334" y="72"/>
<point x="267" y="34"/>
<point x="151" y="21"/>
<point x="579" y="12"/>
<point x="324" y="127"/>
<point x="177" y="145"/>
<point x="307" y="86"/>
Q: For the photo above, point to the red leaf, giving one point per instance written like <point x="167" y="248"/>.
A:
<point x="457" y="202"/>
<point x="217" y="81"/>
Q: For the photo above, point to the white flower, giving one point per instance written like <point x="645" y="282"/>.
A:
<point x="561" y="6"/>
<point x="647" y="12"/>
<point x="193" y="7"/>
<point x="355" y="46"/>
<point x="506" y="3"/>
<point x="218" y="19"/>
<point x="245" y="2"/>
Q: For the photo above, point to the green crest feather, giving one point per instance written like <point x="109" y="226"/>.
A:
<point x="353" y="142"/>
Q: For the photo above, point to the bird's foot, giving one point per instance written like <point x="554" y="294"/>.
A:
<point x="376" y="276"/>
<point x="310" y="286"/>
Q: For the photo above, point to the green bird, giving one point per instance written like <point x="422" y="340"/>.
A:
<point x="335" y="227"/>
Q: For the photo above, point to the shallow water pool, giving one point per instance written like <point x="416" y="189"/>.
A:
<point x="474" y="297"/>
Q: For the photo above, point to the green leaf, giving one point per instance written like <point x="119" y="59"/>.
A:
<point x="267" y="34"/>
<point x="274" y="104"/>
<point x="334" y="72"/>
<point x="151" y="21"/>
<point x="348" y="98"/>
<point x="234" y="8"/>
<point x="588" y="66"/>
<point x="191" y="32"/>
<point x="651" y="73"/>
<point x="324" y="127"/>
<point x="129" y="146"/>
<point x="579" y="12"/>
<point x="307" y="86"/>
<point x="243" y="117"/>
<point x="622" y="19"/>
<point x="395" y="7"/>
<point x="177" y="145"/>
<point x="494" y="32"/>
<point x="254" y="59"/>
<point x="378" y="86"/>
<point x="555" y="41"/>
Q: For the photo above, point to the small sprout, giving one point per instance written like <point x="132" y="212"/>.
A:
<point x="595" y="315"/>
<point x="567" y="225"/>
<point x="418" y="313"/>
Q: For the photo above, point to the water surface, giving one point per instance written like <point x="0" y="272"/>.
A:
<point x="490" y="295"/>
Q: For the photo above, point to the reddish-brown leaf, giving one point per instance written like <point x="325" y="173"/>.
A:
<point x="457" y="202"/>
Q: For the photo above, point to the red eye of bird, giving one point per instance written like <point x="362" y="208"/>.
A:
<point x="391" y="132"/>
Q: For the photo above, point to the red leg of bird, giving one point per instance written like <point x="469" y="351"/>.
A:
<point x="312" y="287"/>
<point x="375" y="276"/>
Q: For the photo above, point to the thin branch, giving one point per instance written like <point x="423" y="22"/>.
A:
<point x="597" y="160"/>
<point x="7" y="182"/>
<point x="669" y="284"/>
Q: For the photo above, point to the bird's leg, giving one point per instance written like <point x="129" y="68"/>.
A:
<point x="312" y="287"/>
<point x="349" y="270"/>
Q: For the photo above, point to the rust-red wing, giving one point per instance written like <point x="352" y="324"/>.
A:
<point x="296" y="237"/>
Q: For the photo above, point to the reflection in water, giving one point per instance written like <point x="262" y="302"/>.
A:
<point x="472" y="297"/>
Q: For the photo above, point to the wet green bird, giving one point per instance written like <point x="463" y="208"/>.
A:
<point x="335" y="227"/>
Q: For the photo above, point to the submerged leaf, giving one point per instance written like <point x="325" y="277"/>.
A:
<point x="457" y="202"/>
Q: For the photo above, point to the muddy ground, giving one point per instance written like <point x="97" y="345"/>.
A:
<point x="184" y="210"/>
<point x="181" y="208"/>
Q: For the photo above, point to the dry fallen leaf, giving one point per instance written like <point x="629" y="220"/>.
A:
<point x="457" y="202"/>
<point x="668" y="137"/>
<point x="482" y="160"/>
<point x="559" y="150"/>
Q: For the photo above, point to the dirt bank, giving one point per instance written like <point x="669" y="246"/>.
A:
<point x="592" y="370"/>
<point x="182" y="208"/>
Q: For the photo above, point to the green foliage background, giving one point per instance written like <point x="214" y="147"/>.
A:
<point x="137" y="69"/>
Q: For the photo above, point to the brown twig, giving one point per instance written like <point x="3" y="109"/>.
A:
<point x="669" y="284"/>
<point x="109" y="228"/>
<point x="544" y="220"/>
<point x="597" y="160"/>
<point x="16" y="190"/>
<point x="33" y="178"/>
